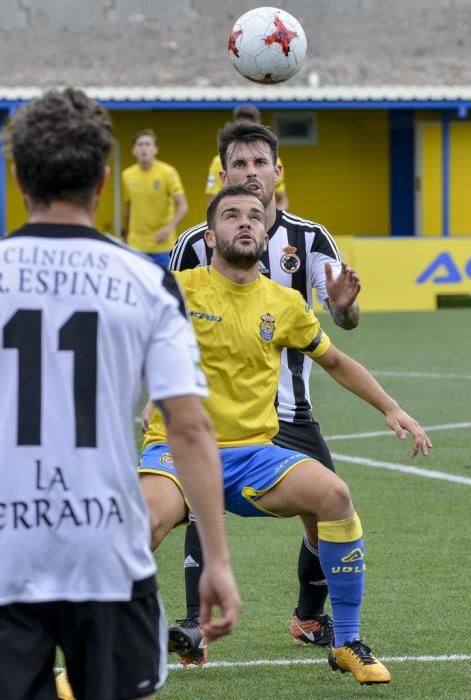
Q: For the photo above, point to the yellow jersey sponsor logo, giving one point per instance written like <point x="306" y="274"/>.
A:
<point x="203" y="316"/>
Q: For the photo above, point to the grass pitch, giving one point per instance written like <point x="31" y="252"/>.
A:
<point x="417" y="607"/>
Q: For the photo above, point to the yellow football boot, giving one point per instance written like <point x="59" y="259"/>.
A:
<point x="63" y="689"/>
<point x="357" y="659"/>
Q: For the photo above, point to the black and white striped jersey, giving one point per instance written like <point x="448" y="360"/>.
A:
<point x="83" y="321"/>
<point x="297" y="252"/>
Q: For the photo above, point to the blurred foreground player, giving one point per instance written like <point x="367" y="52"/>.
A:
<point x="83" y="320"/>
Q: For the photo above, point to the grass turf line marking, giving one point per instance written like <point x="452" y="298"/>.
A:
<point x="308" y="662"/>
<point x="419" y="375"/>
<point x="391" y="466"/>
<point x="408" y="375"/>
<point x="390" y="433"/>
<point x="315" y="662"/>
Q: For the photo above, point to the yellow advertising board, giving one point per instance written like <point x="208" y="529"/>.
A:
<point x="407" y="274"/>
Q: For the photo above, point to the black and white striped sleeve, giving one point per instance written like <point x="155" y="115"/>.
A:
<point x="190" y="250"/>
<point x="323" y="249"/>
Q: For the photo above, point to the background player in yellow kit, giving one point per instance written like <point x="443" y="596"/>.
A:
<point x="154" y="200"/>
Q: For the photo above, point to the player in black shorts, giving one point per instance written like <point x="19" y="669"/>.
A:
<point x="297" y="255"/>
<point x="82" y="320"/>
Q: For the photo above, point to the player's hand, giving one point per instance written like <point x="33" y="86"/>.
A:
<point x="146" y="416"/>
<point x="162" y="234"/>
<point x="218" y="590"/>
<point x="401" y="423"/>
<point x="344" y="289"/>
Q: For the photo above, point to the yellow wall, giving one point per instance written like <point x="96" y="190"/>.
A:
<point x="460" y="179"/>
<point x="429" y="170"/>
<point x="342" y="181"/>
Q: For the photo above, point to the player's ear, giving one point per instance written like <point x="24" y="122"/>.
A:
<point x="223" y="176"/>
<point x="278" y="171"/>
<point x="265" y="242"/>
<point x="102" y="181"/>
<point x="210" y="238"/>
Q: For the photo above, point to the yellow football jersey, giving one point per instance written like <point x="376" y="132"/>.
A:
<point x="241" y="331"/>
<point x="150" y="194"/>
<point x="214" y="182"/>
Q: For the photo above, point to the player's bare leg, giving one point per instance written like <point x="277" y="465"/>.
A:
<point x="166" y="505"/>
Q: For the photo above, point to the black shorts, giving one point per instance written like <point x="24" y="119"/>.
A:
<point x="112" y="650"/>
<point x="305" y="438"/>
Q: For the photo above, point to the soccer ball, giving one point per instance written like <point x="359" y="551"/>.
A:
<point x="267" y="45"/>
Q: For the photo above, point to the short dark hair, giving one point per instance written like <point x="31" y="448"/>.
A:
<point x="145" y="132"/>
<point x="248" y="112"/>
<point x="60" y="144"/>
<point x="245" y="132"/>
<point x="229" y="191"/>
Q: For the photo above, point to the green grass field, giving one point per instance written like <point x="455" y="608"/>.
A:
<point x="417" y="607"/>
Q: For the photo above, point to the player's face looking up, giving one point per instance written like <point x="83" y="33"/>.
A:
<point x="239" y="235"/>
<point x="145" y="150"/>
<point x="251" y="164"/>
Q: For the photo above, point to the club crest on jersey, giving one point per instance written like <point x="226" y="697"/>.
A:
<point x="166" y="460"/>
<point x="156" y="185"/>
<point x="267" y="327"/>
<point x="290" y="262"/>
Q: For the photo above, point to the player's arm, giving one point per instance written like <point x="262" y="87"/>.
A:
<point x="181" y="209"/>
<point x="342" y="291"/>
<point x="126" y="215"/>
<point x="356" y="378"/>
<point x="191" y="441"/>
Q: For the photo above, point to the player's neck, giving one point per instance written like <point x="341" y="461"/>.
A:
<point x="62" y="213"/>
<point x="147" y="165"/>
<point x="270" y="212"/>
<point x="234" y="274"/>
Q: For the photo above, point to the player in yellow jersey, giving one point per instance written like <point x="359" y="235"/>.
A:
<point x="214" y="182"/>
<point x="243" y="322"/>
<point x="154" y="200"/>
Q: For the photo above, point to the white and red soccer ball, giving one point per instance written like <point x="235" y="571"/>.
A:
<point x="267" y="45"/>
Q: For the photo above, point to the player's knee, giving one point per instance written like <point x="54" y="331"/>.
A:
<point x="339" y="500"/>
<point x="162" y="520"/>
<point x="165" y="504"/>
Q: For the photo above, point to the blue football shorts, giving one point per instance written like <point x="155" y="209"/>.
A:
<point x="249" y="472"/>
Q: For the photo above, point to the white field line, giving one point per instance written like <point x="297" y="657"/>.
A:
<point x="420" y="375"/>
<point x="315" y="662"/>
<point x="389" y="433"/>
<point x="409" y="375"/>
<point x="391" y="466"/>
<point x="310" y="662"/>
